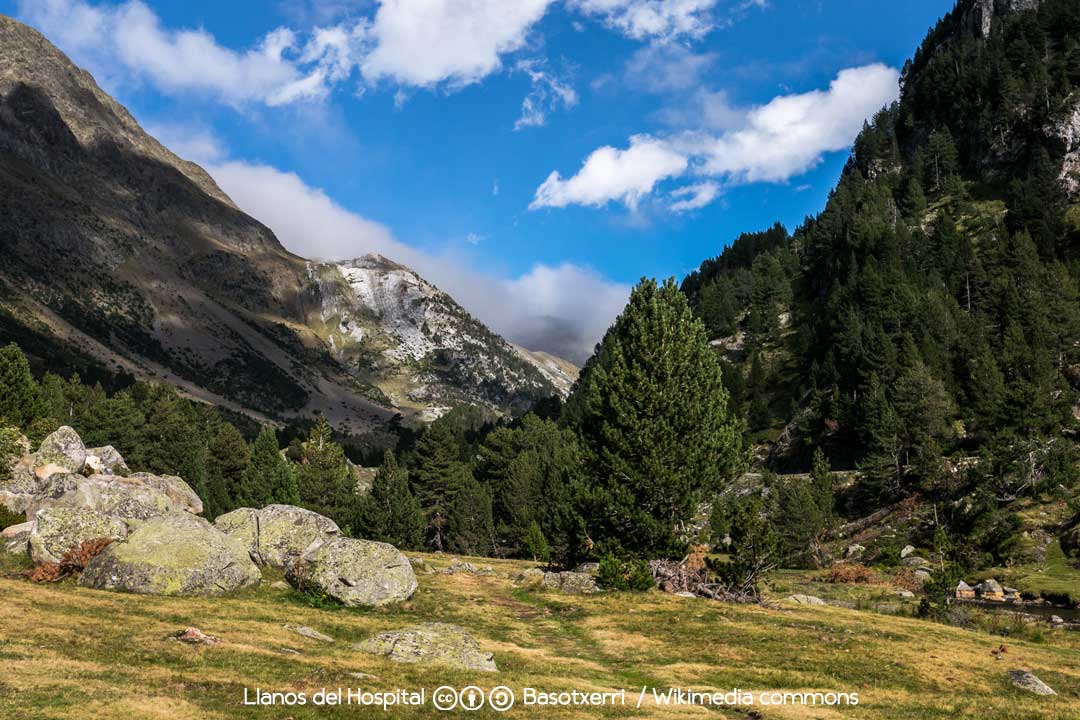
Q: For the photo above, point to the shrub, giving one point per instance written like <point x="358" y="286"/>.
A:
<point x="632" y="575"/>
<point x="849" y="573"/>
<point x="73" y="562"/>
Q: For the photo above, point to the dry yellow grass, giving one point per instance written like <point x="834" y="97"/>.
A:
<point x="68" y="652"/>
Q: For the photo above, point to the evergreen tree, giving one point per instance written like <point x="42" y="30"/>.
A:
<point x="229" y="457"/>
<point x="536" y="545"/>
<point x="469" y="528"/>
<point x="325" y="483"/>
<point x="173" y="442"/>
<point x="20" y="398"/>
<point x="651" y="410"/>
<point x="435" y="474"/>
<point x="268" y="478"/>
<point x="391" y="513"/>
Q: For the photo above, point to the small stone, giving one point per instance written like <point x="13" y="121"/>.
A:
<point x="363" y="676"/>
<point x="105" y="460"/>
<point x="571" y="583"/>
<point x="194" y="636"/>
<point x="1026" y="681"/>
<point x="915" y="561"/>
<point x="854" y="551"/>
<point x="905" y="594"/>
<point x="801" y="599"/>
<point x="309" y="632"/>
<point x="280" y="585"/>
<point x="908" y="549"/>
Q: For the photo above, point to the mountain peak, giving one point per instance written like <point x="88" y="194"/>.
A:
<point x="29" y="60"/>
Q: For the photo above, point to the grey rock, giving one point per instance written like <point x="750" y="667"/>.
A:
<point x="462" y="566"/>
<point x="105" y="460"/>
<point x="571" y="583"/>
<point x="437" y="643"/>
<point x="922" y="576"/>
<point x="176" y="554"/>
<point x="915" y="561"/>
<point x="529" y="577"/>
<point x="63" y="448"/>
<point x="908" y="549"/>
<point x="801" y="599"/>
<point x="590" y="567"/>
<point x="854" y="551"/>
<point x="130" y="498"/>
<point x="56" y="530"/>
<point x="356" y="572"/>
<point x="20" y="485"/>
<point x="309" y="633"/>
<point x="905" y="594"/>
<point x="179" y="492"/>
<point x="16" y="539"/>
<point x="1026" y="681"/>
<point x="277" y="535"/>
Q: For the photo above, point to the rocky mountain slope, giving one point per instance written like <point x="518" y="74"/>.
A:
<point x="120" y="255"/>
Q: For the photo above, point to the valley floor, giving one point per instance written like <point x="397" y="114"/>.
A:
<point x="69" y="652"/>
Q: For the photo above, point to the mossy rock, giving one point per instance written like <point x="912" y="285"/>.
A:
<point x="177" y="554"/>
<point x="437" y="643"/>
<point x="277" y="535"/>
<point x="57" y="530"/>
<point x="356" y="572"/>
<point x="63" y="448"/>
<point x="130" y="498"/>
<point x="179" y="492"/>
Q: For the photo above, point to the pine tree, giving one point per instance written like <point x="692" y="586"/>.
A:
<point x="391" y="513"/>
<point x="651" y="410"/>
<point x="536" y="545"/>
<point x="469" y="528"/>
<point x="435" y="473"/>
<point x="268" y="478"/>
<point x="20" y="398"/>
<point x="325" y="483"/>
<point x="229" y="457"/>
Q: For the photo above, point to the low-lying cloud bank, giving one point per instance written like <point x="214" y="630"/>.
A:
<point x="561" y="309"/>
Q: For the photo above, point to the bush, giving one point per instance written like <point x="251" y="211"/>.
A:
<point x="73" y="562"/>
<point x="632" y="575"/>
<point x="849" y="573"/>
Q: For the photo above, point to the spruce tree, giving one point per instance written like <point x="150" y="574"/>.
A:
<point x="651" y="410"/>
<point x="268" y="478"/>
<point x="435" y="474"/>
<point x="326" y="485"/>
<point x="391" y="513"/>
<point x="20" y="398"/>
<point x="469" y="527"/>
<point x="229" y="457"/>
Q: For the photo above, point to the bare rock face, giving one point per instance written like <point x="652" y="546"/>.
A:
<point x="176" y="554"/>
<point x="277" y="535"/>
<point x="64" y="448"/>
<point x="437" y="643"/>
<point x="356" y="572"/>
<point x="56" y="530"/>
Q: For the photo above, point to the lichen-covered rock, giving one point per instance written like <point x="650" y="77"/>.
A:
<point x="18" y="488"/>
<point x="178" y="491"/>
<point x="64" y="448"/>
<point x="277" y="535"/>
<point x="128" y="498"/>
<point x="56" y="530"/>
<point x="1026" y="681"/>
<point x="529" y="578"/>
<point x="356" y="572"/>
<point x="16" y="538"/>
<point x="176" y="554"/>
<point x="571" y="583"/>
<point x="801" y="599"/>
<point x="438" y="643"/>
<point x="105" y="461"/>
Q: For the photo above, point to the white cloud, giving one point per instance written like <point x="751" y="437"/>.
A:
<point x="644" y="19"/>
<point x="427" y="42"/>
<point x="612" y="174"/>
<point x="195" y="144"/>
<point x="547" y="94"/>
<point x="692" y="197"/>
<point x="667" y="67"/>
<point x="770" y="143"/>
<point x="128" y="42"/>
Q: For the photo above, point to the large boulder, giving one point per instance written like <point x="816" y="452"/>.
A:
<point x="130" y="498"/>
<point x="20" y="485"/>
<point x="176" y="554"/>
<point x="438" y="643"/>
<point x="178" y="491"/>
<point x="105" y="461"/>
<point x="63" y="448"/>
<point x="56" y="530"/>
<point x="277" y="535"/>
<point x="572" y="583"/>
<point x="356" y="572"/>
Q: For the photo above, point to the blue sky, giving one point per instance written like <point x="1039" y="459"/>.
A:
<point x="532" y="157"/>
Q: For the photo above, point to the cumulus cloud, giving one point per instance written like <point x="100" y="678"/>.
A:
<point x="427" y="42"/>
<point x="547" y="94"/>
<point x="612" y="174"/>
<point x="692" y="197"/>
<point x="769" y="143"/>
<point x="645" y="19"/>
<point x="562" y="309"/>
